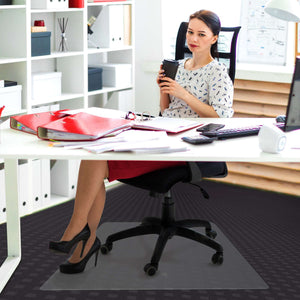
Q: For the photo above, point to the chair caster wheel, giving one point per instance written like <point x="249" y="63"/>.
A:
<point x="106" y="248"/>
<point x="211" y="234"/>
<point x="217" y="258"/>
<point x="150" y="269"/>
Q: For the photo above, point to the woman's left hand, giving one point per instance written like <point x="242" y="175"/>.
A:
<point x="172" y="87"/>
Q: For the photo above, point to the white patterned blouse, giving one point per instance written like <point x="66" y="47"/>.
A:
<point x="210" y="84"/>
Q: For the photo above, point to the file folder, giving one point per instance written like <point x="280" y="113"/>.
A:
<point x="82" y="127"/>
<point x="109" y="27"/>
<point x="30" y="122"/>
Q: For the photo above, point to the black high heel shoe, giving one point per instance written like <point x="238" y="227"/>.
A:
<point x="66" y="246"/>
<point x="69" y="268"/>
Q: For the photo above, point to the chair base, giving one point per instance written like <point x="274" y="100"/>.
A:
<point x="166" y="227"/>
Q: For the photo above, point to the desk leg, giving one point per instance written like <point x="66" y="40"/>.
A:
<point x="12" y="222"/>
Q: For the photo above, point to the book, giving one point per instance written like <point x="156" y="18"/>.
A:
<point x="127" y="25"/>
<point x="30" y="122"/>
<point x="82" y="127"/>
<point x="38" y="28"/>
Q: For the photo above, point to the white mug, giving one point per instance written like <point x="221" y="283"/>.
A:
<point x="271" y="139"/>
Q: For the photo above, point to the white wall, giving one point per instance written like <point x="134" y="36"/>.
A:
<point x="148" y="43"/>
<point x="153" y="37"/>
<point x="176" y="11"/>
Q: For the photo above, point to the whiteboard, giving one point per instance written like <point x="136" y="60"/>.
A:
<point x="263" y="38"/>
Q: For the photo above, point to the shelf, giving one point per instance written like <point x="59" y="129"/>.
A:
<point x="38" y="11"/>
<point x="16" y="62"/>
<point x="11" y="60"/>
<point x="105" y="50"/>
<point x="63" y="97"/>
<point x="8" y="7"/>
<point x="109" y="3"/>
<point x="57" y="54"/>
<point x="108" y="90"/>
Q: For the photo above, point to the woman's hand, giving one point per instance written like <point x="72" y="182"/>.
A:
<point x="161" y="75"/>
<point x="172" y="87"/>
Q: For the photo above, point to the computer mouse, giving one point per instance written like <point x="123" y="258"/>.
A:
<point x="280" y="119"/>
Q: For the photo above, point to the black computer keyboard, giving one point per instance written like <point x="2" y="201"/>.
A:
<point x="236" y="132"/>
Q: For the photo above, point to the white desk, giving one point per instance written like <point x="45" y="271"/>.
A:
<point x="16" y="145"/>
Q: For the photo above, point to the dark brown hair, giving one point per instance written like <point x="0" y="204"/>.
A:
<point x="212" y="21"/>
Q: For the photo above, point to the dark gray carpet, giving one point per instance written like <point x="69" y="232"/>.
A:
<point x="185" y="264"/>
<point x="263" y="226"/>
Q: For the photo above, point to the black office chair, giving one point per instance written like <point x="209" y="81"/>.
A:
<point x="161" y="182"/>
<point x="227" y="41"/>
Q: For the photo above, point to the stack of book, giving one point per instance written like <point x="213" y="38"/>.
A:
<point x="39" y="26"/>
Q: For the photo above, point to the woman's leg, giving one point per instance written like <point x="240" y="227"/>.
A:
<point x="89" y="201"/>
<point x="93" y="220"/>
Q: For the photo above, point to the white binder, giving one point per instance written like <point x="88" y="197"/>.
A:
<point x="45" y="182"/>
<point x="24" y="196"/>
<point x="23" y="190"/>
<point x="50" y="4"/>
<point x="2" y="195"/>
<point x="36" y="191"/>
<point x="108" y="29"/>
<point x="64" y="175"/>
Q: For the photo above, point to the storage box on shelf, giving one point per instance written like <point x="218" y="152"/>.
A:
<point x="11" y="97"/>
<point x="40" y="43"/>
<point x="5" y="2"/>
<point x="122" y="100"/>
<point x="94" y="79"/>
<point x="50" y="4"/>
<point x="117" y="75"/>
<point x="46" y="85"/>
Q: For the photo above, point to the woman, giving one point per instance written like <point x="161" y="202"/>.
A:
<point x="202" y="88"/>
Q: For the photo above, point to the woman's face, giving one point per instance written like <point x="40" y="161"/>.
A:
<point x="199" y="37"/>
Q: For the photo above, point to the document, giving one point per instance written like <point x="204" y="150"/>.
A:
<point x="138" y="141"/>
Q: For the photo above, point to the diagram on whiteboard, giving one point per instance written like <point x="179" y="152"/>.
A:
<point x="263" y="38"/>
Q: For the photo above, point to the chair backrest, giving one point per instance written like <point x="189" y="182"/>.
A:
<point x="226" y="46"/>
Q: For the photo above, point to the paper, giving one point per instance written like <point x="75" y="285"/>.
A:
<point x="172" y="125"/>
<point x="138" y="141"/>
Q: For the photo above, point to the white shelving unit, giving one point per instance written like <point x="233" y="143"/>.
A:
<point x="17" y="64"/>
